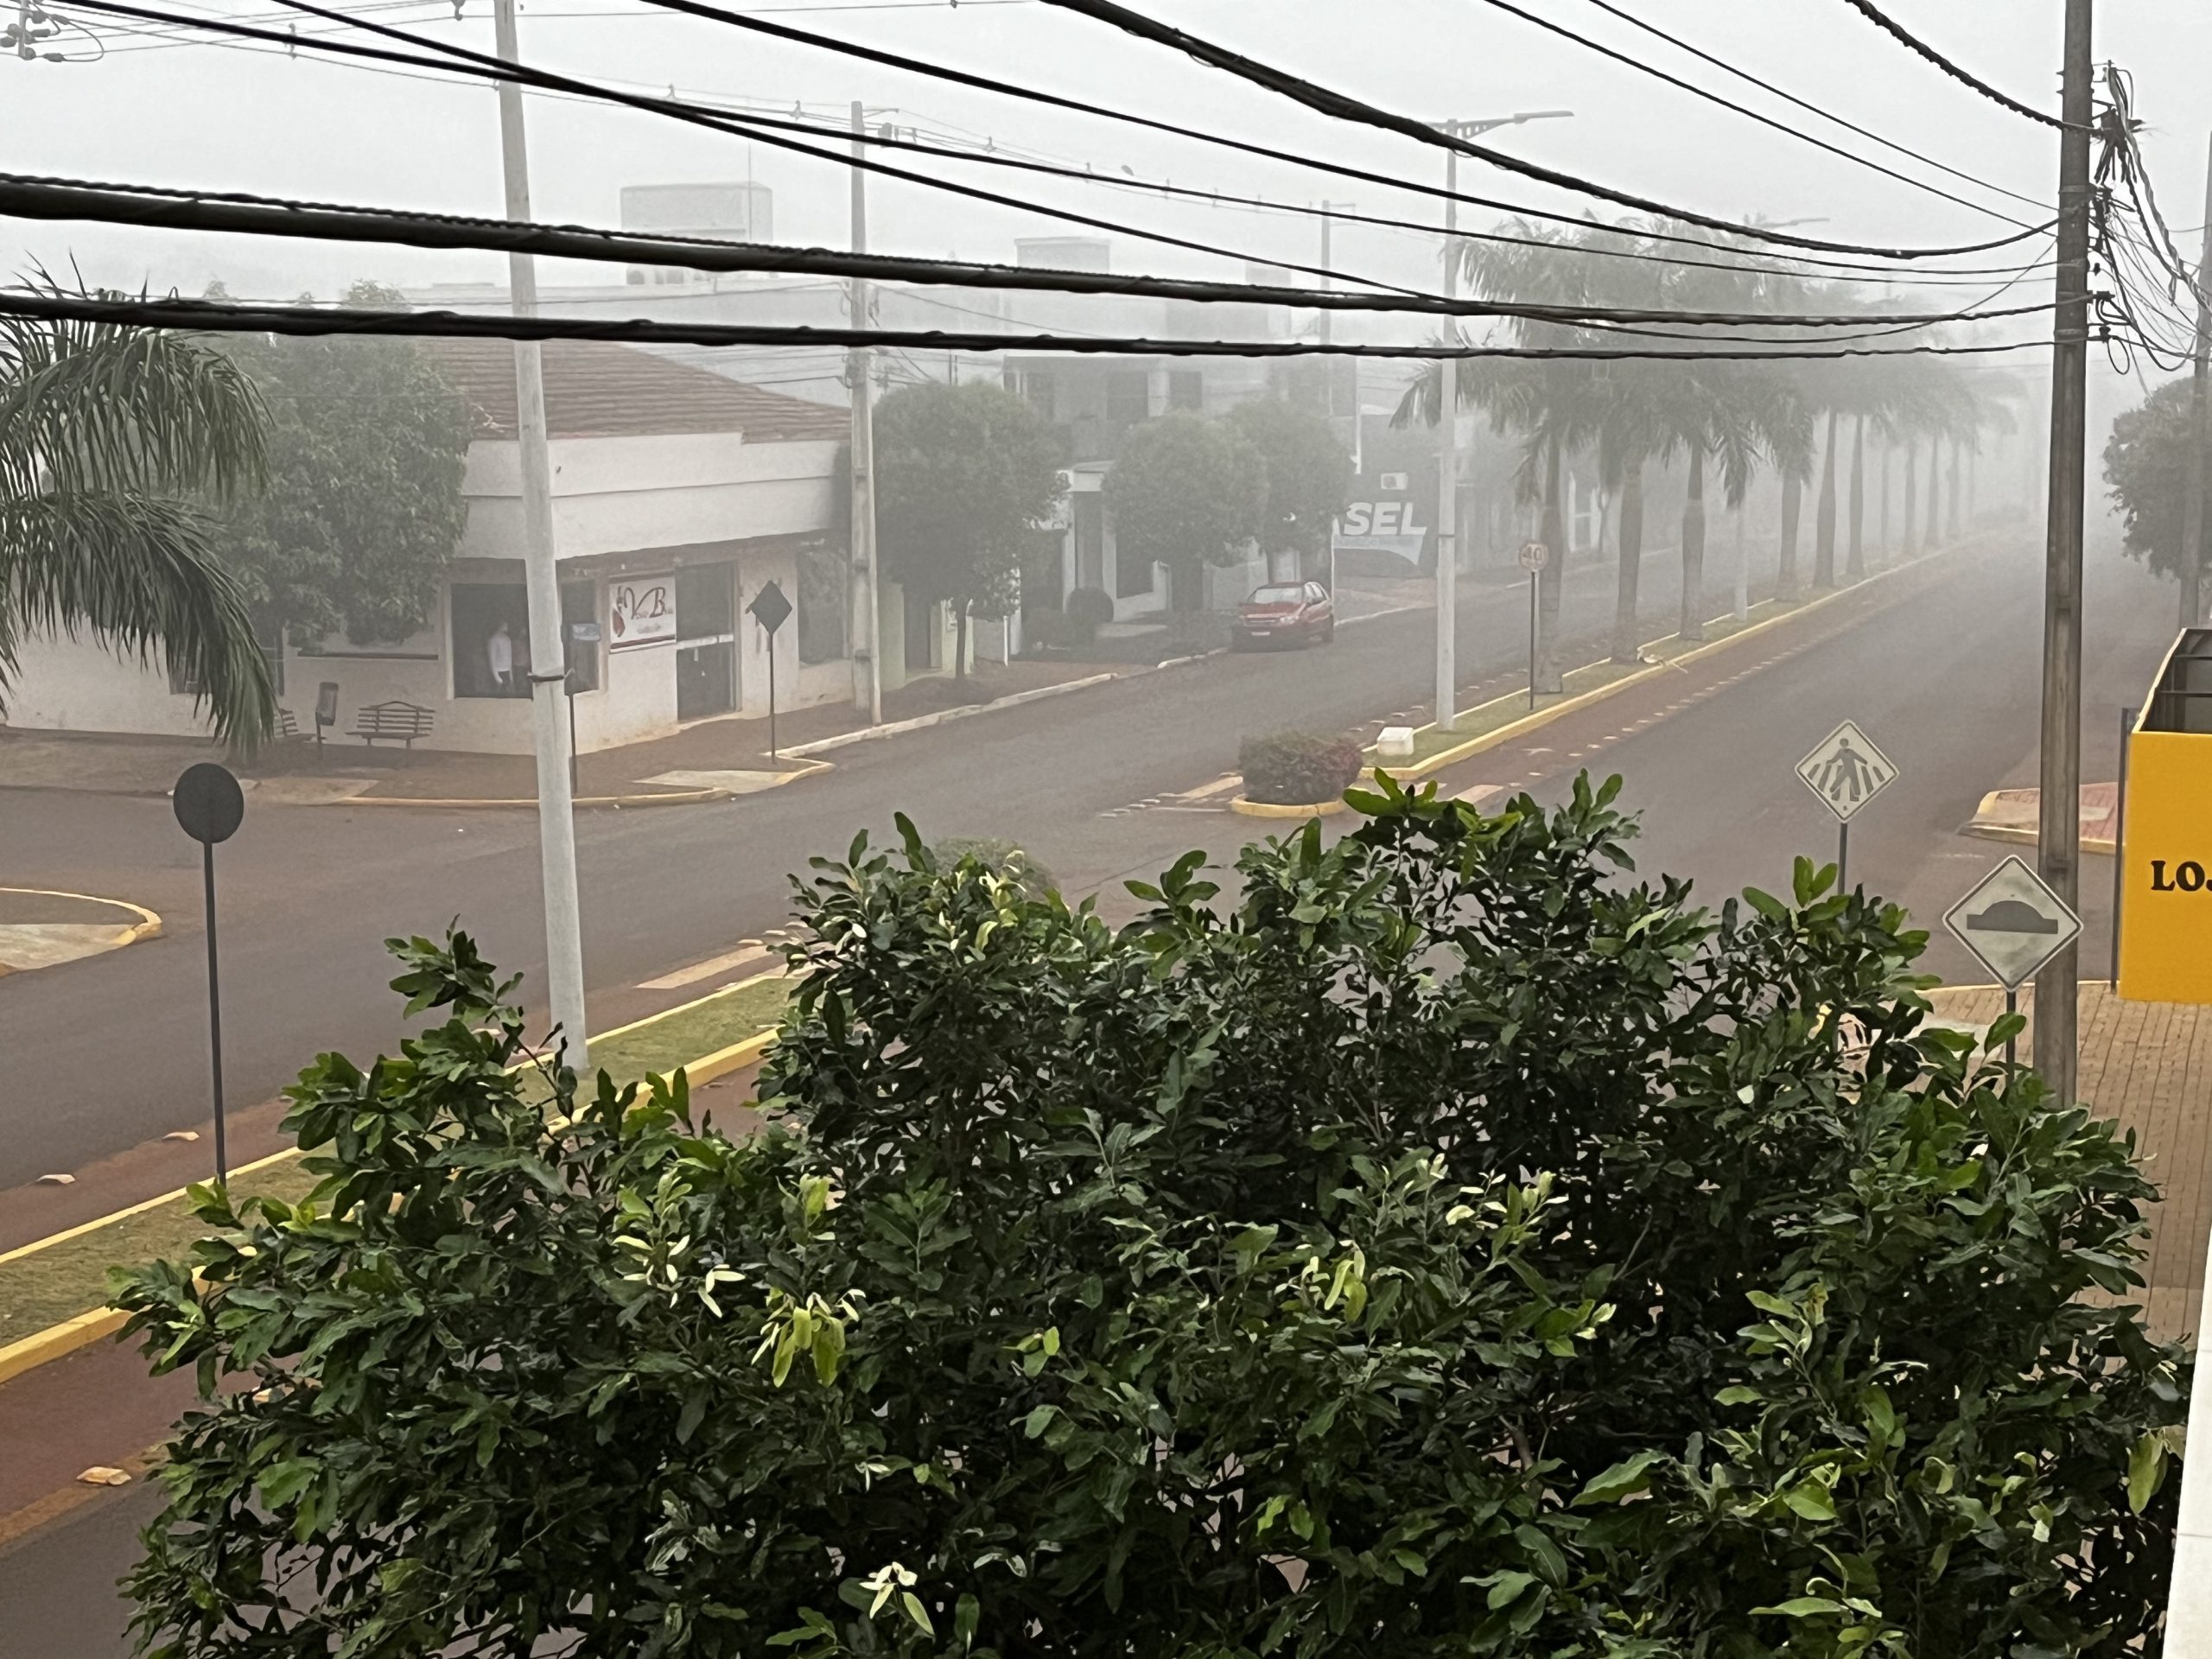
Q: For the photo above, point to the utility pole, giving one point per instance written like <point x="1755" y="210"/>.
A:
<point x="859" y="370"/>
<point x="2058" y="832"/>
<point x="1447" y="425"/>
<point x="2192" y="520"/>
<point x="556" y="823"/>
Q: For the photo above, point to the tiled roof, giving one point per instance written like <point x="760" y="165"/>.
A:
<point x="595" y="389"/>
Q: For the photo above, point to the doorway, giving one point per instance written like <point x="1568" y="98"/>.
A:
<point x="706" y="640"/>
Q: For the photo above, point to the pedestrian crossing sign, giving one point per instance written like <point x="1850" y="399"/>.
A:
<point x="1846" y="770"/>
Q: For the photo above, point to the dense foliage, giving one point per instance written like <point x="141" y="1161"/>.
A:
<point x="1442" y="1245"/>
<point x="1298" y="768"/>
<point x="965" y="476"/>
<point x="1308" y="476"/>
<point x="363" y="510"/>
<point x="1186" y="492"/>
<point x="2146" y="467"/>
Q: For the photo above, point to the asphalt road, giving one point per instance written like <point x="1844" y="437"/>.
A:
<point x="1944" y="680"/>
<point x="103" y="1055"/>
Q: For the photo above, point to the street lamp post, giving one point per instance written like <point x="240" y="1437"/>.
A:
<point x="1447" y="423"/>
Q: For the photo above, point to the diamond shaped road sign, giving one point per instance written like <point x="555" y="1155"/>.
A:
<point x="1846" y="770"/>
<point x="2013" y="923"/>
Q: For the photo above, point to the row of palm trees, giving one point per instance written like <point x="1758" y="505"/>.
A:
<point x="1721" y="420"/>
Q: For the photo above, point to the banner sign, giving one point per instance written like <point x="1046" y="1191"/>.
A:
<point x="1385" y="515"/>
<point x="641" y="611"/>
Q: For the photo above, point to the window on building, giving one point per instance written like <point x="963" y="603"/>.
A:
<point x="491" y="637"/>
<point x="1129" y="396"/>
<point x="1186" y="389"/>
<point x="824" y="598"/>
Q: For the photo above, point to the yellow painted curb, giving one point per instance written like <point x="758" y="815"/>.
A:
<point x="723" y="1061"/>
<point x="1512" y="729"/>
<point x="1271" y="810"/>
<point x="695" y="1003"/>
<point x="805" y="768"/>
<point x="148" y="927"/>
<point x="56" y="1340"/>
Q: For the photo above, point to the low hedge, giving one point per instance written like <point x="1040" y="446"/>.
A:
<point x="1298" y="768"/>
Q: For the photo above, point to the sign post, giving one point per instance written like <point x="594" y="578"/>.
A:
<point x="1846" y="772"/>
<point x="209" y="806"/>
<point x="770" y="610"/>
<point x="2013" y="923"/>
<point x="1534" y="556"/>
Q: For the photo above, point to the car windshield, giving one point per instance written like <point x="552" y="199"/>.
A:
<point x="1283" y="595"/>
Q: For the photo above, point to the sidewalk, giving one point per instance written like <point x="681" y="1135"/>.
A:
<point x="727" y="755"/>
<point x="2013" y="815"/>
<point x="2149" y="1066"/>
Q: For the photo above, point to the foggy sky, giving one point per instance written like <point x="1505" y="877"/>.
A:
<point x="226" y="118"/>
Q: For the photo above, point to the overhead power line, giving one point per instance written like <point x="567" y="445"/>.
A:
<point x="1343" y="107"/>
<point x="240" y="211"/>
<point x="1745" y="75"/>
<point x="705" y="9"/>
<point x="1874" y="15"/>
<point x="209" y="316"/>
<point x="1710" y="97"/>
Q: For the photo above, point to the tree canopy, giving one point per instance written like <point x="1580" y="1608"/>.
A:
<point x="1308" y="475"/>
<point x="363" y="509"/>
<point x="2146" y="468"/>
<point x="112" y="439"/>
<point x="1186" y="492"/>
<point x="1443" y="1244"/>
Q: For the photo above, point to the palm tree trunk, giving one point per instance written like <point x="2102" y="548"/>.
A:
<point x="1793" y="509"/>
<point x="1693" y="620"/>
<point x="1883" y="541"/>
<point x="1935" y="536"/>
<point x="1824" y="525"/>
<point x="1625" y="630"/>
<point x="1911" y="499"/>
<point x="1553" y="533"/>
<point x="1856" y="568"/>
<point x="1952" y="504"/>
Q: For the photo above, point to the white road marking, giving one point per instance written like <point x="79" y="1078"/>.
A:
<point x="748" y="953"/>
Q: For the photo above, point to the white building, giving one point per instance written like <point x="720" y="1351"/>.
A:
<point x="677" y="495"/>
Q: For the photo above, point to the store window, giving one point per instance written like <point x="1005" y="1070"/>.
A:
<point x="491" y="637"/>
<point x="825" y="597"/>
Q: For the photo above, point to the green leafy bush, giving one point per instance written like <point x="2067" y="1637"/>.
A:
<point x="1089" y="609"/>
<point x="1298" y="768"/>
<point x="1443" y="1245"/>
<point x="999" y="856"/>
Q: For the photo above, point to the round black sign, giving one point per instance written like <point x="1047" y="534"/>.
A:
<point x="209" y="803"/>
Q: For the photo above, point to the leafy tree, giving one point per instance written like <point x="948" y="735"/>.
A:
<point x="1440" y="1247"/>
<point x="1186" y="492"/>
<point x="964" y="475"/>
<point x="1309" y="476"/>
<point x="2146" y="468"/>
<point x="109" y="438"/>
<point x="363" y="510"/>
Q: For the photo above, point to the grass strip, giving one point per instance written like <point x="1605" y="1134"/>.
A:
<point x="58" y="1283"/>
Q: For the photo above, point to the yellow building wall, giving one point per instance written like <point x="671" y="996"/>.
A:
<point x="2165" y="938"/>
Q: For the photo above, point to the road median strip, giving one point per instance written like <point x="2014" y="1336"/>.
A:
<point x="1496" y="722"/>
<point x="52" y="1290"/>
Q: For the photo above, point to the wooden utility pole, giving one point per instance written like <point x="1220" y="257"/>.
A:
<point x="2058" y="832"/>
<point x="2192" y="532"/>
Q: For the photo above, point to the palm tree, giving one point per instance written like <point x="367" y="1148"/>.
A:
<point x="108" y="437"/>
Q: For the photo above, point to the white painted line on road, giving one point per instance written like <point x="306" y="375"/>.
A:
<point x="743" y="956"/>
<point x="1221" y="785"/>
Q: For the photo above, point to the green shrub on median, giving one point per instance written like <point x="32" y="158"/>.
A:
<point x="1298" y="768"/>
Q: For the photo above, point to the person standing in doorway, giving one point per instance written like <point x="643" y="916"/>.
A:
<point x="499" y="658"/>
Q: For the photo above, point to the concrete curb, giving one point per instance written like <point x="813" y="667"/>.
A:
<point x="1014" y="699"/>
<point x="1527" y="723"/>
<point x="1272" y="809"/>
<point x="148" y="927"/>
<point x="2017" y="835"/>
<point x="663" y="798"/>
<point x="55" y="1340"/>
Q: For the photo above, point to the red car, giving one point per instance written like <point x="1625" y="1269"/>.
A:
<point x="1286" y="613"/>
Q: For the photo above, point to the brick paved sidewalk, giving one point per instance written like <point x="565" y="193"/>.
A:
<point x="2148" y="1066"/>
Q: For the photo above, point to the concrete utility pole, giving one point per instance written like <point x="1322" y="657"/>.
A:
<point x="2192" y="532"/>
<point x="1448" y="426"/>
<point x="2058" y="831"/>
<point x="859" y="370"/>
<point x="556" y="823"/>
